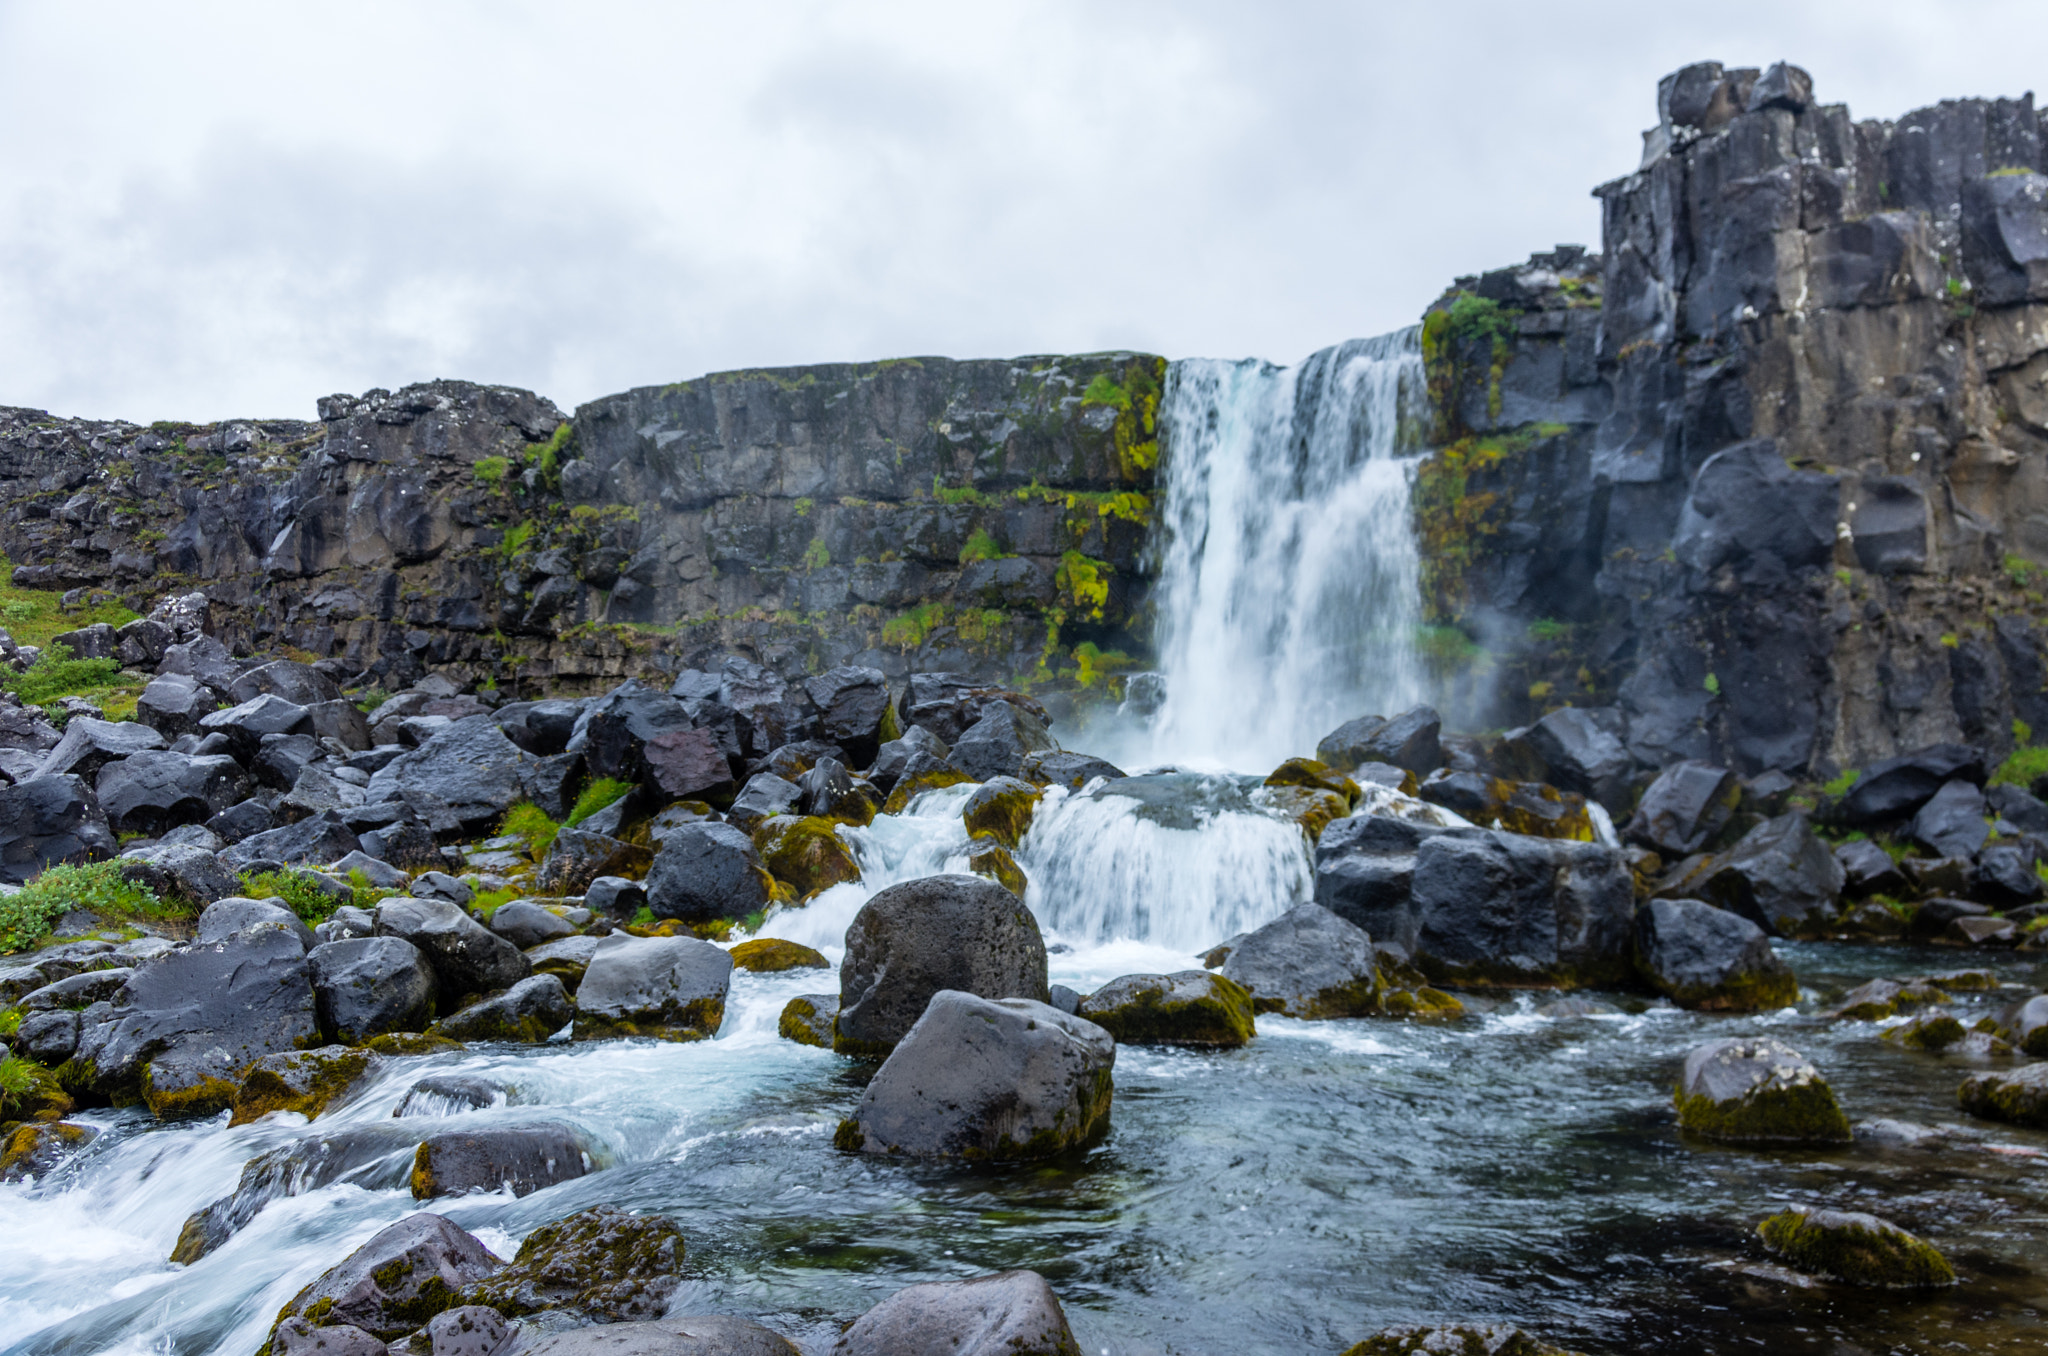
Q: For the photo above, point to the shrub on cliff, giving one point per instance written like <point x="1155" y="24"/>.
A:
<point x="27" y="916"/>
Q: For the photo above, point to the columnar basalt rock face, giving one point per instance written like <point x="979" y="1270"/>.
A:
<point x="1774" y="459"/>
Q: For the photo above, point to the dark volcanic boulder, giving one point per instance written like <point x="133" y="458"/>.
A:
<point x="1001" y="809"/>
<point x="304" y="1081"/>
<point x="577" y="857"/>
<point x="398" y="1280"/>
<point x="996" y="745"/>
<point x="1951" y="823"/>
<point x="282" y="758"/>
<point x="366" y="986"/>
<point x="829" y="790"/>
<point x="465" y="777"/>
<point x="764" y="794"/>
<point x="1191" y="1007"/>
<point x="2017" y="808"/>
<point x="1307" y="963"/>
<point x="522" y="1157"/>
<point x="1685" y="808"/>
<point x="1573" y="750"/>
<point x="179" y="871"/>
<point x="48" y="820"/>
<point x="1868" y="869"/>
<point x="2019" y="1097"/>
<point x="851" y="702"/>
<point x="671" y="988"/>
<point x="1071" y="770"/>
<point x="1780" y="877"/>
<point x="1757" y="1091"/>
<point x="602" y="1263"/>
<point x="526" y="924"/>
<point x="300" y="684"/>
<point x="694" y="1335"/>
<point x="890" y="758"/>
<point x="1857" y="1248"/>
<point x="246" y="725"/>
<point x="1012" y="1313"/>
<point x="1365" y="874"/>
<point x="1894" y="789"/>
<point x="467" y="957"/>
<point x="1699" y="956"/>
<point x="230" y="914"/>
<point x="914" y="939"/>
<point x="987" y="1080"/>
<point x="323" y="839"/>
<point x="617" y="726"/>
<point x="155" y="791"/>
<point x="89" y="745"/>
<point x="1496" y="907"/>
<point x="807" y="1019"/>
<point x="687" y="765"/>
<point x="173" y="704"/>
<point x="530" y="1011"/>
<point x="707" y="871"/>
<point x="1407" y="741"/>
<point x="186" y="1023"/>
<point x="2006" y="877"/>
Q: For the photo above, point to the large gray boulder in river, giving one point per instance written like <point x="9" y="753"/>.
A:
<point x="1308" y="963"/>
<point x="986" y="1080"/>
<point x="672" y="988"/>
<point x="1757" y="1091"/>
<point x="467" y="956"/>
<point x="1012" y="1313"/>
<point x="1702" y="957"/>
<point x="1191" y="1007"/>
<point x="914" y="939"/>
<point x="399" y="1279"/>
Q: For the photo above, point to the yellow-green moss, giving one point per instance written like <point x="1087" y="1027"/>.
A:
<point x="995" y="863"/>
<point x="1002" y="814"/>
<point x="800" y="1023"/>
<point x="403" y="1043"/>
<point x="807" y="854"/>
<point x="205" y="1096"/>
<point x="771" y="955"/>
<point x="1316" y="776"/>
<point x="910" y="788"/>
<point x="1803" y="1114"/>
<point x="268" y="1087"/>
<point x="1220" y="1018"/>
<point x="1847" y="1249"/>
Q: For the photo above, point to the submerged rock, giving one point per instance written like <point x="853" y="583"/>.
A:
<point x="1857" y="1248"/>
<point x="36" y="1147"/>
<point x="671" y="988"/>
<point x="2017" y="1098"/>
<point x="529" y="1012"/>
<point x="807" y="1019"/>
<point x="451" y="1094"/>
<point x="373" y="1157"/>
<point x="398" y="1280"/>
<point x="986" y="1079"/>
<point x="1927" y="1031"/>
<point x="1702" y="957"/>
<point x="914" y="939"/>
<point x="522" y="1157"/>
<point x="1757" y="1091"/>
<point x="305" y="1081"/>
<point x="1012" y="1313"/>
<point x="1307" y="963"/>
<point x="1191" y="1007"/>
<point x="603" y="1263"/>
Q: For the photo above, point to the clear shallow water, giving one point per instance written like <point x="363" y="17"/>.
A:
<point x="1330" y="1179"/>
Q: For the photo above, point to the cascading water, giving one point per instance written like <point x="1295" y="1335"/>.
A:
<point x="1290" y="578"/>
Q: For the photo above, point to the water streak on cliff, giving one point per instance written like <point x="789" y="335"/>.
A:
<point x="1289" y="585"/>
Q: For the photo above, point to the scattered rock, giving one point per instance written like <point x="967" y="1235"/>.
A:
<point x="154" y="791"/>
<point x="522" y="1157"/>
<point x="89" y="745"/>
<point x="1409" y="740"/>
<point x="398" y="1280"/>
<point x="1951" y="823"/>
<point x="1457" y="1339"/>
<point x="36" y="1148"/>
<point x="1012" y="1313"/>
<point x="1780" y="877"/>
<point x="1894" y="789"/>
<point x="1702" y="957"/>
<point x="671" y="988"/>
<point x="604" y="1264"/>
<point x="807" y="854"/>
<point x="304" y="1081"/>
<point x="367" y="986"/>
<point x="297" y="1337"/>
<point x="529" y="1012"/>
<point x="452" y="1094"/>
<point x="2019" y="1097"/>
<point x="2025" y="1024"/>
<point x="1686" y="808"/>
<point x="708" y="871"/>
<point x="1573" y="750"/>
<point x="225" y="917"/>
<point x="1492" y="907"/>
<point x="614" y="897"/>
<point x="466" y="956"/>
<point x="1757" y="1091"/>
<point x="1927" y="1031"/>
<point x="807" y="1019"/>
<point x="566" y="959"/>
<point x="48" y="820"/>
<point x="1191" y="1007"/>
<point x="1056" y="768"/>
<point x="468" y="1330"/>
<point x="996" y="745"/>
<point x="1868" y="869"/>
<point x="526" y="924"/>
<point x="986" y="1080"/>
<point x="770" y="955"/>
<point x="1307" y="963"/>
<point x="1856" y="1248"/>
<point x="705" y="1335"/>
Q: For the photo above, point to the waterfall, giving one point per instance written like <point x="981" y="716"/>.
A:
<point x="1290" y="579"/>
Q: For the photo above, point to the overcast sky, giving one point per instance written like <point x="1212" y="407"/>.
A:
<point x="217" y="209"/>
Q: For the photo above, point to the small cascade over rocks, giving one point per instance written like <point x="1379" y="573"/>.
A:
<point x="1290" y="579"/>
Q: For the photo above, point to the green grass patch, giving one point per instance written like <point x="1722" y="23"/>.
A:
<point x="486" y="902"/>
<point x="27" y="916"/>
<point x="56" y="674"/>
<point x="307" y="898"/>
<point x="1839" y="787"/>
<point x="595" y="797"/>
<point x="2022" y="768"/>
<point x="816" y="556"/>
<point x="1103" y="391"/>
<point x="528" y="821"/>
<point x="981" y="546"/>
<point x="21" y="1084"/>
<point x="32" y="616"/>
<point x="489" y="471"/>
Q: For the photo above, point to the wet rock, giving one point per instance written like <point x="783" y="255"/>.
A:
<point x="807" y="1019"/>
<point x="185" y="1023"/>
<point x="1470" y="795"/>
<point x="247" y="725"/>
<point x="468" y="1330"/>
<point x="526" y="924"/>
<point x="398" y="1280"/>
<point x="806" y="854"/>
<point x="1001" y="809"/>
<point x="2019" y="1097"/>
<point x="1572" y="750"/>
<point x="987" y="1080"/>
<point x="1951" y="823"/>
<point x="1896" y="788"/>
<point x="529" y="1012"/>
<point x="708" y="871"/>
<point x="1493" y="907"/>
<point x="566" y="959"/>
<point x="1686" y="808"/>
<point x="1935" y="917"/>
<point x="524" y="1158"/>
<point x="765" y="794"/>
<point x="2025" y="1024"/>
<point x="297" y="1337"/>
<point x="1881" y="998"/>
<point x="829" y="790"/>
<point x="464" y="778"/>
<point x="48" y="820"/>
<point x="945" y="704"/>
<point x="2006" y="877"/>
<point x="367" y="986"/>
<point x="452" y="1094"/>
<point x="671" y="988"/>
<point x="769" y="955"/>
<point x="1409" y="740"/>
<point x="1058" y="768"/>
<point x="579" y="856"/>
<point x="996" y="745"/>
<point x="89" y="745"/>
<point x="603" y="1264"/>
<point x="703" y="1335"/>
<point x="2017" y="808"/>
<point x="1191" y="1007"/>
<point x="1868" y="869"/>
<point x="1856" y="1248"/>
<point x="791" y="761"/>
<point x="466" y="956"/>
<point x="1927" y="1031"/>
<point x="614" y="897"/>
<point x="687" y="765"/>
<point x="1307" y="963"/>
<point x="1702" y="957"/>
<point x="235" y="913"/>
<point x="914" y="939"/>
<point x="36" y="1148"/>
<point x="892" y="757"/>
<point x="299" y="683"/>
<point x="48" y="1038"/>
<point x="1979" y="932"/>
<point x="995" y="863"/>
<point x="154" y="790"/>
<point x="304" y="1081"/>
<point x="174" y="704"/>
<point x="616" y="728"/>
<point x="1949" y="876"/>
<point x="851" y="702"/>
<point x="921" y="774"/>
<point x="1012" y="1313"/>
<point x="1757" y="1091"/>
<point x="317" y="841"/>
<point x="1780" y="877"/>
<point x="1457" y="1339"/>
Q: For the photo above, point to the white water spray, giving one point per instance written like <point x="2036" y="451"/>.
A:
<point x="1290" y="580"/>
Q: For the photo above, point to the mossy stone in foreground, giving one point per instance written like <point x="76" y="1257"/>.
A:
<point x="910" y="788"/>
<point x="995" y="863"/>
<point x="1001" y="810"/>
<point x="602" y="1262"/>
<point x="1927" y="1031"/>
<point x="402" y="1043"/>
<point x="1857" y="1248"/>
<point x="308" y="1082"/>
<point x="807" y="854"/>
<point x="1757" y="1091"/>
<point x="772" y="955"/>
<point x="1457" y="1339"/>
<point x="37" y="1146"/>
<point x="807" y="1019"/>
<point x="2019" y="1097"/>
<point x="1314" y="776"/>
<point x="1193" y="1007"/>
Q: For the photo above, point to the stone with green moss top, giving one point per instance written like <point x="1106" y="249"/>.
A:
<point x="994" y="862"/>
<point x="915" y="785"/>
<point x="807" y="854"/>
<point x="2018" y="1098"/>
<point x="1313" y="808"/>
<point x="395" y="1282"/>
<point x="1307" y="772"/>
<point x="38" y="1146"/>
<point x="807" y="1019"/>
<point x="528" y="1013"/>
<point x="1001" y="809"/>
<point x="1757" y="1090"/>
<point x="307" y="1082"/>
<point x="602" y="1263"/>
<point x="772" y="955"/>
<point x="1456" y="1339"/>
<point x="1702" y="957"/>
<point x="1191" y="1007"/>
<point x="404" y="1044"/>
<point x="1935" y="1030"/>
<point x="1857" y="1248"/>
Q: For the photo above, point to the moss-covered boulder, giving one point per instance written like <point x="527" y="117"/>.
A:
<point x="1702" y="957"/>
<point x="807" y="1019"/>
<point x="38" y="1146"/>
<point x="401" y="1044"/>
<point x="1308" y="963"/>
<point x="1540" y="810"/>
<point x="1757" y="1091"/>
<point x="602" y="1263"/>
<point x="807" y="854"/>
<point x="1001" y="810"/>
<point x="1311" y="775"/>
<point x="2019" y="1097"/>
<point x="1857" y="1248"/>
<point x="994" y="862"/>
<point x="1456" y="1339"/>
<point x="1192" y="1007"/>
<point x="772" y="955"/>
<point x="393" y="1284"/>
<point x="1311" y="807"/>
<point x="1420" y="1003"/>
<point x="2025" y="1024"/>
<point x="307" y="1081"/>
<point x="1878" y="999"/>
<point x="670" y="988"/>
<point x="527" y="1013"/>
<point x="522" y="1157"/>
<point x="916" y="784"/>
<point x="1936" y="1030"/>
